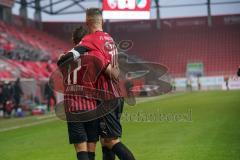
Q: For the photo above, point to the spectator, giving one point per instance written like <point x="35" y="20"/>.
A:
<point x="238" y="73"/>
<point x="48" y="67"/>
<point x="1" y="99"/>
<point x="8" y="108"/>
<point x="199" y="83"/>
<point x="173" y="84"/>
<point x="17" y="93"/>
<point x="6" y="97"/>
<point x="49" y="95"/>
<point x="189" y="84"/>
<point x="226" y="79"/>
<point x="8" y="48"/>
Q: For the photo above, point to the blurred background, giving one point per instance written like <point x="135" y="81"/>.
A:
<point x="197" y="40"/>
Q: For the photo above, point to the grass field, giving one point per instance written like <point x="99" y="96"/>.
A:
<point x="196" y="126"/>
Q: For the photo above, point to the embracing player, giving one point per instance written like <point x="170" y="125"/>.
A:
<point x="110" y="126"/>
<point x="80" y="68"/>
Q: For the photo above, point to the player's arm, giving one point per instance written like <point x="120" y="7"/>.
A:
<point x="72" y="55"/>
<point x="104" y="66"/>
<point x="112" y="72"/>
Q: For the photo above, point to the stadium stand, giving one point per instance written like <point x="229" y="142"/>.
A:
<point x="28" y="50"/>
<point x="178" y="42"/>
<point x="26" y="69"/>
<point x="217" y="48"/>
<point x="39" y="45"/>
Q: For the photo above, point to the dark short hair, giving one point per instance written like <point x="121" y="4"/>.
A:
<point x="78" y="34"/>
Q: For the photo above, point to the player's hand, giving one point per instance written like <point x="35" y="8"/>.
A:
<point x="66" y="58"/>
<point x="113" y="72"/>
<point x="116" y="72"/>
<point x="60" y="56"/>
<point x="60" y="59"/>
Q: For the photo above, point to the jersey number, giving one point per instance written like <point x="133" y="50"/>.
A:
<point x="74" y="73"/>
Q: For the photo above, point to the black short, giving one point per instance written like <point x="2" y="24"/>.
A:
<point x="109" y="125"/>
<point x="79" y="132"/>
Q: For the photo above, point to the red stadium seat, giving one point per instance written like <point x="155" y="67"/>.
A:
<point x="217" y="48"/>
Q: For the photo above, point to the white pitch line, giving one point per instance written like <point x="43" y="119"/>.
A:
<point x="46" y="116"/>
<point x="26" y="125"/>
<point x="147" y="99"/>
<point x="49" y="118"/>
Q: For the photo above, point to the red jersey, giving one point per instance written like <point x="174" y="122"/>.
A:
<point x="79" y="79"/>
<point x="104" y="43"/>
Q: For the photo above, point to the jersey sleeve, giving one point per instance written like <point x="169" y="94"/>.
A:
<point x="95" y="63"/>
<point x="101" y="61"/>
<point x="87" y="42"/>
<point x="73" y="54"/>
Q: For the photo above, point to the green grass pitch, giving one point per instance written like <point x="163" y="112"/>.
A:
<point x="210" y="131"/>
